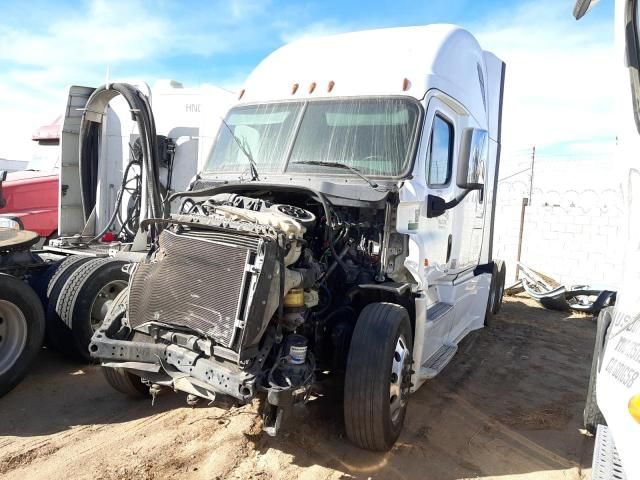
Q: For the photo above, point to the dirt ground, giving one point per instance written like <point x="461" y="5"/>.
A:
<point x="509" y="406"/>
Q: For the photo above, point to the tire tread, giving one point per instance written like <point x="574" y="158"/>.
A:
<point x="362" y="394"/>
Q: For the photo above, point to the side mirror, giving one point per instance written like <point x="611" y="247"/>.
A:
<point x="474" y="151"/>
<point x="3" y="175"/>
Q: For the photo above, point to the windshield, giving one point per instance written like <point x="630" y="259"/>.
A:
<point x="374" y="135"/>
<point x="45" y="155"/>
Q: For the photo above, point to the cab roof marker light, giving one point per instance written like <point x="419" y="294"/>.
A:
<point x="241" y="94"/>
<point x="294" y="89"/>
<point x="406" y="84"/>
<point x="312" y="87"/>
<point x="330" y="86"/>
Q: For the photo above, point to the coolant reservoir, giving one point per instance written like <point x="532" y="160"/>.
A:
<point x="295" y="298"/>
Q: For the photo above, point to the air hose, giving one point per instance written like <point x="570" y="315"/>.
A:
<point x="94" y="113"/>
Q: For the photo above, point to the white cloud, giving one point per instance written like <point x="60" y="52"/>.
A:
<point x="315" y="29"/>
<point x="78" y="47"/>
<point x="559" y="77"/>
<point x="558" y="71"/>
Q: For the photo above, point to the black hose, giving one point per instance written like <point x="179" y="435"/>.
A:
<point x="88" y="165"/>
<point x="89" y="142"/>
<point x="116" y="210"/>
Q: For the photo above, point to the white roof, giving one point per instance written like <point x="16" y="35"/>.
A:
<point x="371" y="62"/>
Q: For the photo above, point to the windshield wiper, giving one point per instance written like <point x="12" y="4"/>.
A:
<point x="244" y="148"/>
<point x="371" y="183"/>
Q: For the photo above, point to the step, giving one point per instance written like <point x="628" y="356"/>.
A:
<point x="438" y="310"/>
<point x="436" y="362"/>
<point x="606" y="462"/>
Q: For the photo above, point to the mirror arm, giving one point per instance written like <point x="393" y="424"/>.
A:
<point x="436" y="206"/>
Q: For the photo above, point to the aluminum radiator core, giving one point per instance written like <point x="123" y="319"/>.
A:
<point x="203" y="280"/>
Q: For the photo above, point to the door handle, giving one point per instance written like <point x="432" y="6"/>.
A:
<point x="449" y="241"/>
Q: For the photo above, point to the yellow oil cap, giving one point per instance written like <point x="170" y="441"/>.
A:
<point x="295" y="298"/>
<point x="634" y="407"/>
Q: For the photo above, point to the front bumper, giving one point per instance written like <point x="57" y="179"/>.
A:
<point x="184" y="366"/>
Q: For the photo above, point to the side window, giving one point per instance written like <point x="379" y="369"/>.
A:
<point x="440" y="155"/>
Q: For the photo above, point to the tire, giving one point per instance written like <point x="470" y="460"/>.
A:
<point x="40" y="282"/>
<point x="592" y="416"/>
<point x="64" y="269"/>
<point x="491" y="299"/>
<point x="120" y="379"/>
<point x="57" y="335"/>
<point x="21" y="330"/>
<point x="85" y="299"/>
<point x="381" y="330"/>
<point x="125" y="382"/>
<point x="500" y="282"/>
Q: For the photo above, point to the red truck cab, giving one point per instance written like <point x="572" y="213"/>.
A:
<point x="30" y="197"/>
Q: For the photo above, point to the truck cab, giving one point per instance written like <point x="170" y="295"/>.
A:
<point x="346" y="208"/>
<point x="29" y="198"/>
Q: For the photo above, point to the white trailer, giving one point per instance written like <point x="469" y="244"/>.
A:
<point x="612" y="409"/>
<point x="355" y="180"/>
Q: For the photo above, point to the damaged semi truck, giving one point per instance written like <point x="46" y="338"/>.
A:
<point x="342" y="225"/>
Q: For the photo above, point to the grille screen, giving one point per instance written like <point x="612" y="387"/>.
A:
<point x="196" y="281"/>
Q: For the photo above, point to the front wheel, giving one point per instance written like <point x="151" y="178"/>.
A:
<point x="378" y="376"/>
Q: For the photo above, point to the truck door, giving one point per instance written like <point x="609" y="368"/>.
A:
<point x="441" y="131"/>
<point x="455" y="238"/>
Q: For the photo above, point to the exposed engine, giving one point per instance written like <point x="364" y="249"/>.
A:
<point x="249" y="293"/>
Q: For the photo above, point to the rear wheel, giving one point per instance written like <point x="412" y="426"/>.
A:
<point x="85" y="300"/>
<point x="378" y="375"/>
<point x="56" y="331"/>
<point x="21" y="330"/>
<point x="501" y="275"/>
<point x="491" y="300"/>
<point x="592" y="416"/>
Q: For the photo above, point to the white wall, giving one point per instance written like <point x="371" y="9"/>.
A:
<point x="573" y="225"/>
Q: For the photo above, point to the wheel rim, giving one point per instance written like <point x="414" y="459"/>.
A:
<point x="13" y="334"/>
<point x="399" y="381"/>
<point x="103" y="301"/>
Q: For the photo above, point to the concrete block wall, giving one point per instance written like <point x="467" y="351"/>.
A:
<point x="571" y="234"/>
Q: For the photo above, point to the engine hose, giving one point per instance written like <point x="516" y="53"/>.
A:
<point x="232" y="187"/>
<point x="89" y="141"/>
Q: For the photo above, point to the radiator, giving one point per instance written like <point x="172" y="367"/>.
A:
<point x="207" y="281"/>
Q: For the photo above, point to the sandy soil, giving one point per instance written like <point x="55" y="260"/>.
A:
<point x="509" y="406"/>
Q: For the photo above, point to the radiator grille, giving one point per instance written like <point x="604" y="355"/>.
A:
<point x="196" y="281"/>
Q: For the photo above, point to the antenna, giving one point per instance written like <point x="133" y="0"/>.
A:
<point x="533" y="159"/>
<point x="107" y="83"/>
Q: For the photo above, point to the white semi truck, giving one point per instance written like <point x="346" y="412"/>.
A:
<point x="612" y="409"/>
<point x="341" y="225"/>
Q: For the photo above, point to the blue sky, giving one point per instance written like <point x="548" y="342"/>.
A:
<point x="558" y="69"/>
